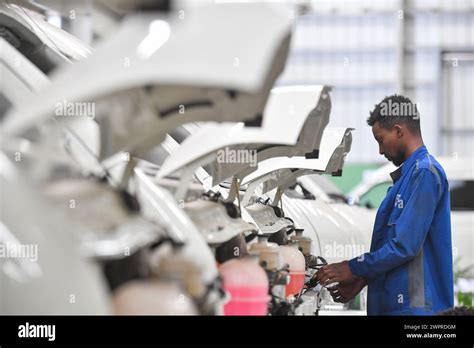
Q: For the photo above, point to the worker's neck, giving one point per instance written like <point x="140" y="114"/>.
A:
<point x="412" y="146"/>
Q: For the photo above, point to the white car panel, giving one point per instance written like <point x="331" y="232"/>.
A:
<point x="159" y="205"/>
<point x="277" y="129"/>
<point x="61" y="280"/>
<point x="190" y="77"/>
<point x="31" y="26"/>
<point x="335" y="144"/>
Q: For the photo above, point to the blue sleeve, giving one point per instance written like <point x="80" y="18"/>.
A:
<point x="411" y="229"/>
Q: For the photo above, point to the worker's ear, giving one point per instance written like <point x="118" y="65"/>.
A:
<point x="398" y="130"/>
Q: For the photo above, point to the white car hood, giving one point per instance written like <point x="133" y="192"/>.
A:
<point x="278" y="135"/>
<point x="21" y="79"/>
<point x="44" y="39"/>
<point x="207" y="67"/>
<point x="335" y="144"/>
<point x="313" y="101"/>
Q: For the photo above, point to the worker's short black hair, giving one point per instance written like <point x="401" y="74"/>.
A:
<point x="396" y="109"/>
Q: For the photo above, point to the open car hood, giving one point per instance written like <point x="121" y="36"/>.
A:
<point x="283" y="171"/>
<point x="44" y="44"/>
<point x="167" y="72"/>
<point x="293" y="124"/>
<point x="21" y="79"/>
<point x="312" y="101"/>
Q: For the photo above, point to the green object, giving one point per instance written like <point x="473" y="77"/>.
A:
<point x="465" y="299"/>
<point x="352" y="175"/>
<point x="355" y="303"/>
<point x="375" y="196"/>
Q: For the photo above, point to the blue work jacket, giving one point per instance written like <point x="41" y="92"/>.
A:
<point x="409" y="268"/>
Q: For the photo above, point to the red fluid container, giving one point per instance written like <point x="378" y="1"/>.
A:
<point x="247" y="284"/>
<point x="295" y="259"/>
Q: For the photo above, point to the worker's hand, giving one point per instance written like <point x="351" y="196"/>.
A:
<point x="335" y="272"/>
<point x="347" y="290"/>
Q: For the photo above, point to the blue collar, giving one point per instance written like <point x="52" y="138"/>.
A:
<point x="419" y="153"/>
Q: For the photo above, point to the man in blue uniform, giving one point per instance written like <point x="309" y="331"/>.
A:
<point x="409" y="268"/>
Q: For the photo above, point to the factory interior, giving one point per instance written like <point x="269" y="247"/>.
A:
<point x="223" y="158"/>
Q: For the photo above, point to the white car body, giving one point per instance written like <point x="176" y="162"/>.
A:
<point x="212" y="138"/>
<point x="360" y="216"/>
<point x="329" y="230"/>
<point x="336" y="237"/>
<point x="58" y="280"/>
<point x="220" y="93"/>
<point x="320" y="222"/>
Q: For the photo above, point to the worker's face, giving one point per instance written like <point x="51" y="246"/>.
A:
<point x="390" y="143"/>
